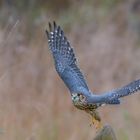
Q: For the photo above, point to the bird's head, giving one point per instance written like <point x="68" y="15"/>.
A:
<point x="75" y="97"/>
<point x="78" y="97"/>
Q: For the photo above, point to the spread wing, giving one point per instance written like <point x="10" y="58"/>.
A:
<point x="124" y="91"/>
<point x="65" y="61"/>
<point x="112" y="97"/>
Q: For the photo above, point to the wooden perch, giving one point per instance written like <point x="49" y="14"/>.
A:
<point x="106" y="133"/>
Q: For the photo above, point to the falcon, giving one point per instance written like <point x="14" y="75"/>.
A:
<point x="67" y="68"/>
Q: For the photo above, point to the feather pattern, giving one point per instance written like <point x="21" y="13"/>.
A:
<point x="65" y="60"/>
<point x="124" y="91"/>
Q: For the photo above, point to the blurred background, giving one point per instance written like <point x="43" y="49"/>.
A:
<point x="34" y="102"/>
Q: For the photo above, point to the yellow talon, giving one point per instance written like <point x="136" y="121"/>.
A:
<point x="96" y="123"/>
<point x="96" y="120"/>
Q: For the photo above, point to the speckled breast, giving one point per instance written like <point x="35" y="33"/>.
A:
<point x="84" y="106"/>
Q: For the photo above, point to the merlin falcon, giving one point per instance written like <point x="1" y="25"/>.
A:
<point x="67" y="68"/>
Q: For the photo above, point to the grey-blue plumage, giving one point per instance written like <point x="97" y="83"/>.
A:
<point x="68" y="70"/>
<point x="65" y="61"/>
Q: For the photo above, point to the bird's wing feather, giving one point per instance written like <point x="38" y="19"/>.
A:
<point x="65" y="60"/>
<point x="112" y="97"/>
<point x="126" y="90"/>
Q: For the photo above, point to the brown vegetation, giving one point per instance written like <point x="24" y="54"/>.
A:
<point x="34" y="102"/>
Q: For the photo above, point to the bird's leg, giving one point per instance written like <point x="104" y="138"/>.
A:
<point x="96" y="123"/>
<point x="96" y="120"/>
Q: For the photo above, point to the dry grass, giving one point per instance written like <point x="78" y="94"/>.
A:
<point x="34" y="102"/>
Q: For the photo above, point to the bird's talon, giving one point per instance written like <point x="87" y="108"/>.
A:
<point x="96" y="123"/>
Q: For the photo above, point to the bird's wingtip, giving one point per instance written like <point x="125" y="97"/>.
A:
<point x="47" y="33"/>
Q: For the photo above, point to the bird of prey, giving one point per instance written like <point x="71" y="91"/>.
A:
<point x="67" y="68"/>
